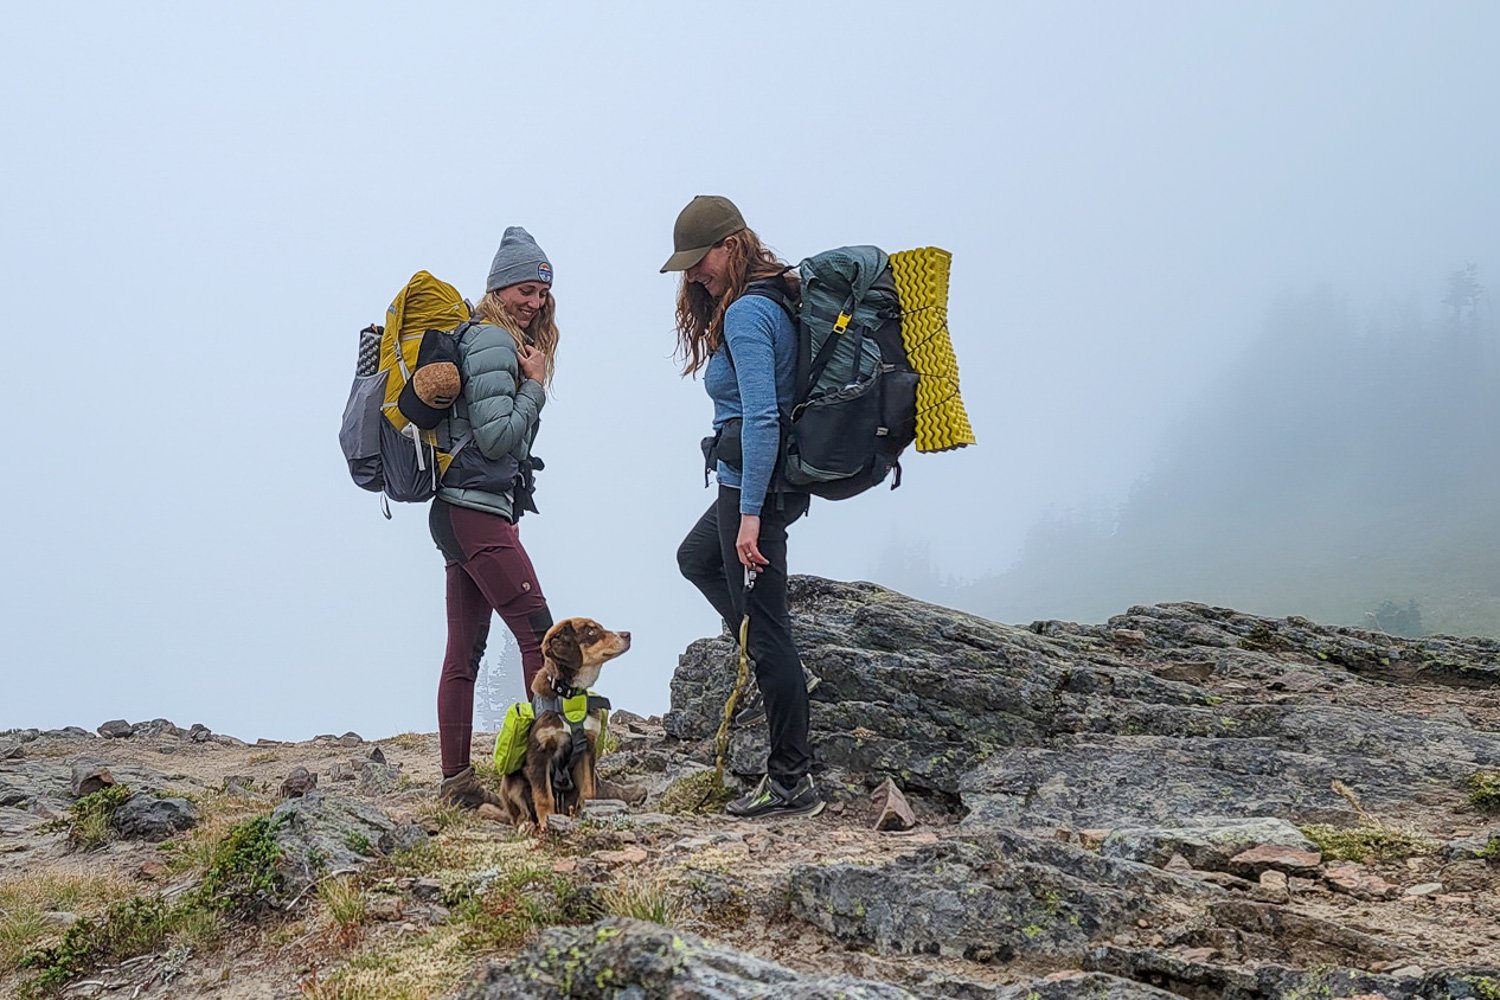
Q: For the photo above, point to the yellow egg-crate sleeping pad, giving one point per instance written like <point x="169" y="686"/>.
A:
<point x="921" y="277"/>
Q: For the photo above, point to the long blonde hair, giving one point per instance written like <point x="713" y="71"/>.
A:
<point x="700" y="317"/>
<point x="541" y="333"/>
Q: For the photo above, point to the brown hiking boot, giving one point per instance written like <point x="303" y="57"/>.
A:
<point x="631" y="795"/>
<point x="466" y="791"/>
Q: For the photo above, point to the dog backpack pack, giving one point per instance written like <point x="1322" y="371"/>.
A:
<point x="510" y="742"/>
<point x="875" y="368"/>
<point x="405" y="383"/>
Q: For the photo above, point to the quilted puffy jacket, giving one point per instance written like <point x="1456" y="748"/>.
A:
<point x="499" y="412"/>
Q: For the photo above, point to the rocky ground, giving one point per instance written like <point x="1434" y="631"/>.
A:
<point x="1182" y="802"/>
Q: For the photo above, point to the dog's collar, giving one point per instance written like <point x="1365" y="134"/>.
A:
<point x="561" y="690"/>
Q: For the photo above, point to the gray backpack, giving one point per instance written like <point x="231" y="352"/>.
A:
<point x="854" y="408"/>
<point x="389" y="434"/>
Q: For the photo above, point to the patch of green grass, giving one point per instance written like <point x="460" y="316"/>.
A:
<point x="358" y="843"/>
<point x="447" y="818"/>
<point x="128" y="928"/>
<point x="409" y="968"/>
<point x="344" y="903"/>
<point x="24" y="901"/>
<point x="1484" y="791"/>
<point x="20" y="930"/>
<point x="516" y="905"/>
<point x="1368" y="842"/>
<point x="643" y="899"/>
<point x="242" y="878"/>
<point x="1484" y="987"/>
<point x="239" y="880"/>
<point x="414" y="742"/>
<point x="424" y="859"/>
<point x="196" y="926"/>
<point x="193" y="852"/>
<point x="89" y="818"/>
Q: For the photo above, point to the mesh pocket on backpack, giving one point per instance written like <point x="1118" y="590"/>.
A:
<point x="410" y="464"/>
<point x="832" y="434"/>
<point x="359" y="434"/>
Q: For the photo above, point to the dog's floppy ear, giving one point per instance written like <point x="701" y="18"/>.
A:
<point x="562" y="648"/>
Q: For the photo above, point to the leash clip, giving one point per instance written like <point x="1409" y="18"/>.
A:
<point x="749" y="579"/>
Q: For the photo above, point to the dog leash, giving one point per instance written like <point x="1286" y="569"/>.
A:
<point x="721" y="740"/>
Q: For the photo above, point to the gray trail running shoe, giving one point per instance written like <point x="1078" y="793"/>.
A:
<point x="754" y="711"/>
<point x="771" y="798"/>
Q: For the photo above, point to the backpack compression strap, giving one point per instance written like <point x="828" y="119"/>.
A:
<point x="775" y="289"/>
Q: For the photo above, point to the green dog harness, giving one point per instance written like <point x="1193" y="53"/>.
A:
<point x="510" y="742"/>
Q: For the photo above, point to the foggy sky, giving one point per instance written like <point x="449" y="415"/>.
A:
<point x="202" y="207"/>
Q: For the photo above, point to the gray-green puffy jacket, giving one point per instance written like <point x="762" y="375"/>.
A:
<point x="500" y="410"/>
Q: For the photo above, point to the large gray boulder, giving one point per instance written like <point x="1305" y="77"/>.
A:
<point x="320" y="833"/>
<point x="1172" y="733"/>
<point x="13" y="795"/>
<point x="145" y="817"/>
<point x="1207" y="843"/>
<point x="1189" y="977"/>
<point x="622" y="959"/>
<point x="633" y="959"/>
<point x="1203" y="712"/>
<point x="989" y="899"/>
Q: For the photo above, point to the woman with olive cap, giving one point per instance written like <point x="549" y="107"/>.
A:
<point x="746" y="347"/>
<point x="505" y="362"/>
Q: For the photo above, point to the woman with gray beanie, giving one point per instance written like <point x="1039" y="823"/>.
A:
<point x="505" y="362"/>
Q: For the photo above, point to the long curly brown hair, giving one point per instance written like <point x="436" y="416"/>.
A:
<point x="541" y="333"/>
<point x="700" y="317"/>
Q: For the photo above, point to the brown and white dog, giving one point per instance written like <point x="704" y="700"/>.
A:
<point x="558" y="772"/>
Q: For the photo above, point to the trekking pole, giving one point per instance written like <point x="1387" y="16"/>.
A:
<point x="721" y="741"/>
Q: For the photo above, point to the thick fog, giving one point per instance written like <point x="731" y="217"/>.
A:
<point x="1209" y="301"/>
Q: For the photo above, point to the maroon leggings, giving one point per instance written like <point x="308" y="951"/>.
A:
<point x="488" y="571"/>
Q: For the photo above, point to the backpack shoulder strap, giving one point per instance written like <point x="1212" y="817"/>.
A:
<point x="463" y="328"/>
<point x="774" y="289"/>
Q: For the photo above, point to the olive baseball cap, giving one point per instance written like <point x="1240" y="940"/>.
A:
<point x="707" y="219"/>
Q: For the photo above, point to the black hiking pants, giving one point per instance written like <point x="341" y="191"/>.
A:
<point x="708" y="559"/>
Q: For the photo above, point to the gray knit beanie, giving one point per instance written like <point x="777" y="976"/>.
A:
<point x="518" y="259"/>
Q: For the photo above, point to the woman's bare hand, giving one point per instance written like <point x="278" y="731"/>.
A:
<point x="533" y="363"/>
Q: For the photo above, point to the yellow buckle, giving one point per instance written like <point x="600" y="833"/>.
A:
<point x="842" y="323"/>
